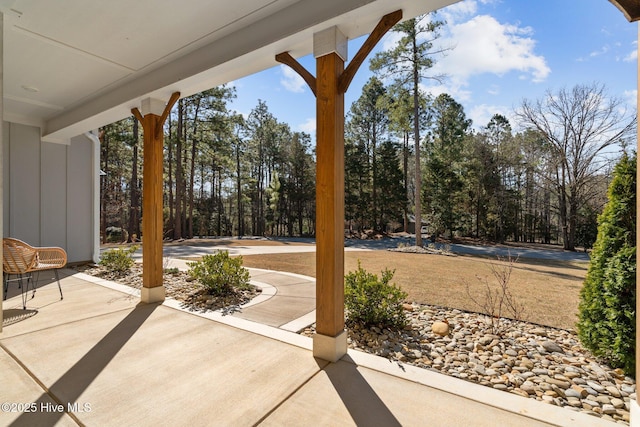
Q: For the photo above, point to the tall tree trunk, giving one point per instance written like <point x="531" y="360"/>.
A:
<point x="104" y="143"/>
<point x="562" y="207"/>
<point x="194" y="143"/>
<point x="547" y="217"/>
<point x="261" y="186"/>
<point x="239" y="192"/>
<point x="416" y="137"/>
<point x="190" y="190"/>
<point x="220" y="205"/>
<point x="177" y="226"/>
<point x="134" y="218"/>
<point x="405" y="163"/>
<point x="374" y="183"/>
<point x="170" y="172"/>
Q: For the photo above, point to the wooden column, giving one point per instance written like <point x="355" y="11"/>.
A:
<point x="330" y="84"/>
<point x="154" y="113"/>
<point x="330" y="341"/>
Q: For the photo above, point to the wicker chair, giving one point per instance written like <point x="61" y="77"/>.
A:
<point x="21" y="259"/>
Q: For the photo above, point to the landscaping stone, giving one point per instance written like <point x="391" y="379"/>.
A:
<point x="440" y="328"/>
<point x="542" y="363"/>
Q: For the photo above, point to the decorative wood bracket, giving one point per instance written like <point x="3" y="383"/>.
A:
<point x="172" y="101"/>
<point x="287" y="59"/>
<point x="167" y="109"/>
<point x="386" y="23"/>
<point x="136" y="113"/>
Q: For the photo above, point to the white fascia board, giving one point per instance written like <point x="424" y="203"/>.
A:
<point x="235" y="56"/>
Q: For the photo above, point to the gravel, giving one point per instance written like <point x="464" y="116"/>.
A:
<point x="529" y="360"/>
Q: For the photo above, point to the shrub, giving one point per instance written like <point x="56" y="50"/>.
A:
<point x="118" y="260"/>
<point x="220" y="273"/>
<point x="496" y="299"/>
<point x="607" y="316"/>
<point x="372" y="300"/>
<point x="116" y="235"/>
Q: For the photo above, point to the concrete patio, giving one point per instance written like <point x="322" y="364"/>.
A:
<point x="108" y="359"/>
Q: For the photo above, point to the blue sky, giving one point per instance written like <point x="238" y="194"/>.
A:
<point x="503" y="51"/>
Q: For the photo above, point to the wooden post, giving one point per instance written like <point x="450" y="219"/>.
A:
<point x="154" y="113"/>
<point x="330" y="341"/>
<point x="330" y="84"/>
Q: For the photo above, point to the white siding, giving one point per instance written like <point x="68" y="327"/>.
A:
<point x="53" y="224"/>
<point x="24" y="183"/>
<point x="48" y="191"/>
<point x="79" y="205"/>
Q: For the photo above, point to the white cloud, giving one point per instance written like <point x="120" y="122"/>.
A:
<point x="462" y="10"/>
<point x="631" y="56"/>
<point x="493" y="90"/>
<point x="291" y="80"/>
<point x="599" y="52"/>
<point x="482" y="114"/>
<point x="390" y="40"/>
<point x="479" y="45"/>
<point x="458" y="92"/>
<point x="482" y="45"/>
<point x="309" y="126"/>
<point x="458" y="11"/>
<point x="631" y="97"/>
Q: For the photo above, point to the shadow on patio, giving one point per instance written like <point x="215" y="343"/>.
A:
<point x="113" y="361"/>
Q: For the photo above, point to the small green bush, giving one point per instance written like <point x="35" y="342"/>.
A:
<point x="372" y="300"/>
<point x="607" y="310"/>
<point x="118" y="260"/>
<point x="220" y="273"/>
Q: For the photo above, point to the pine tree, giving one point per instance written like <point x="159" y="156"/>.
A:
<point x="607" y="315"/>
<point x="407" y="63"/>
<point x="445" y="164"/>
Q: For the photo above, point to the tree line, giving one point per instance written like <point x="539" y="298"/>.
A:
<point x="226" y="174"/>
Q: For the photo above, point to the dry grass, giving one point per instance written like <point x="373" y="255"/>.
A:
<point x="549" y="290"/>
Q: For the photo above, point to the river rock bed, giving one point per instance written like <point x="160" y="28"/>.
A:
<point x="529" y="360"/>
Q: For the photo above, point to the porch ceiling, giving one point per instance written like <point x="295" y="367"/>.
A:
<point x="74" y="65"/>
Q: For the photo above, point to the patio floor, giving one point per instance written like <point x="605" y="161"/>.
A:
<point x="109" y="360"/>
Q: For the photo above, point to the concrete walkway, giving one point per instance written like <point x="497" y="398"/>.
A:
<point x="99" y="357"/>
<point x="288" y="300"/>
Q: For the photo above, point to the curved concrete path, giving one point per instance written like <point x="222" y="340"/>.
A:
<point x="288" y="300"/>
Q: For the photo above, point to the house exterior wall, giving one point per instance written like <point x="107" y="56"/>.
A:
<point x="48" y="191"/>
<point x="80" y="209"/>
<point x="23" y="164"/>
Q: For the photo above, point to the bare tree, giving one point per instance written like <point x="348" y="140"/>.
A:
<point x="579" y="124"/>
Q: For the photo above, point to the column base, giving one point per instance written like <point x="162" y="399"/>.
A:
<point x="151" y="295"/>
<point x="635" y="413"/>
<point x="330" y="348"/>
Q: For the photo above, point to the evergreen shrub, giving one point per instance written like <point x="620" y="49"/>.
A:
<point x="372" y="300"/>
<point x="607" y="315"/>
<point x="118" y="260"/>
<point x="220" y="273"/>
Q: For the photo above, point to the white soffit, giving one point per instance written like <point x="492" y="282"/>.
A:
<point x="74" y="65"/>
